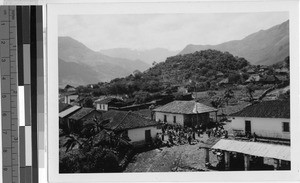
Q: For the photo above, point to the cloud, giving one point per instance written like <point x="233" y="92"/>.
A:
<point x="171" y="31"/>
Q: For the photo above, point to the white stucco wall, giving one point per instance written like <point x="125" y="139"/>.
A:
<point x="266" y="127"/>
<point x="68" y="98"/>
<point x="102" y="107"/>
<point x="138" y="134"/>
<point x="170" y="117"/>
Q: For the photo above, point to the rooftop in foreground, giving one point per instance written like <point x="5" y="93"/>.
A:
<point x="255" y="148"/>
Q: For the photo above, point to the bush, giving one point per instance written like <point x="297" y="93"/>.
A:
<point x="69" y="162"/>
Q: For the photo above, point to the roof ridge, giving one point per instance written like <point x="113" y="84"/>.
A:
<point x="122" y="120"/>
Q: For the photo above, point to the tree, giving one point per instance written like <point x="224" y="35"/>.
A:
<point x="234" y="78"/>
<point x="217" y="102"/>
<point x="211" y="93"/>
<point x="100" y="152"/>
<point x="88" y="102"/>
<point x="92" y="127"/>
<point x="249" y="91"/>
<point x="228" y="94"/>
<point x="287" y="62"/>
<point x="142" y="97"/>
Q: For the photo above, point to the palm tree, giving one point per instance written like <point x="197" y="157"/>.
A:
<point x="92" y="127"/>
<point x="72" y="141"/>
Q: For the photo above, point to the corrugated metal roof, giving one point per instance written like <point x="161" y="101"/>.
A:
<point x="185" y="107"/>
<point x="255" y="148"/>
<point x="68" y="111"/>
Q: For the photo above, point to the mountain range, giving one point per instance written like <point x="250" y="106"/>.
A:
<point x="80" y="65"/>
<point x="265" y="47"/>
<point x="148" y="56"/>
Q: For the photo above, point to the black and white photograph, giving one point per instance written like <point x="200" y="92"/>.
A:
<point x="173" y="92"/>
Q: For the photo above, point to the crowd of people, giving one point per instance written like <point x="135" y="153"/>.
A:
<point x="179" y="135"/>
<point x="217" y="131"/>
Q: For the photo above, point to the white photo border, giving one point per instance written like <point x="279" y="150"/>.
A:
<point x="55" y="10"/>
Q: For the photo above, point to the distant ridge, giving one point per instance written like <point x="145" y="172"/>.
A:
<point x="96" y="67"/>
<point x="148" y="56"/>
<point x="265" y="47"/>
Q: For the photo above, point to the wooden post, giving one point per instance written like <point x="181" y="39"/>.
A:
<point x="216" y="116"/>
<point x="247" y="162"/>
<point x="227" y="160"/>
<point x="206" y="155"/>
<point x="276" y="164"/>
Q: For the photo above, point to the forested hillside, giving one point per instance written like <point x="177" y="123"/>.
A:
<point x="196" y="70"/>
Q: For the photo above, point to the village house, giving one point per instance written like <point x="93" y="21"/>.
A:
<point x="219" y="74"/>
<point x="182" y="90"/>
<point x="106" y="103"/>
<point x="64" y="117"/>
<point x="252" y="155"/>
<point x="139" y="130"/>
<point x="77" y="119"/>
<point x="69" y="88"/>
<point x="254" y="78"/>
<point x="267" y="126"/>
<point x="282" y="78"/>
<point x="268" y="79"/>
<point x="70" y="97"/>
<point x="250" y="71"/>
<point x="268" y="119"/>
<point x="225" y="82"/>
<point x="282" y="71"/>
<point x="184" y="113"/>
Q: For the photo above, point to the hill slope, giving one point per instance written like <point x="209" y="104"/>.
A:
<point x="264" y="47"/>
<point x="104" y="67"/>
<point x="196" y="71"/>
<point x="75" y="74"/>
<point x="148" y="56"/>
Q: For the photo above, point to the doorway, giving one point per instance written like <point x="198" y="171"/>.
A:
<point x="148" y="136"/>
<point x="247" y="127"/>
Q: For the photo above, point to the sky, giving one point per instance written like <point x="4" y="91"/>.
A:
<point x="170" y="31"/>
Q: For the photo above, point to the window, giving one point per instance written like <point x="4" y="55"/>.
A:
<point x="285" y="126"/>
<point x="174" y="119"/>
<point x="165" y="118"/>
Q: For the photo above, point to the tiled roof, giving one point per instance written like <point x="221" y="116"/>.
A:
<point x="107" y="100"/>
<point x="269" y="78"/>
<point x="121" y="120"/>
<point x="81" y="113"/>
<point x="185" y="107"/>
<point x="68" y="111"/>
<point x="69" y="86"/>
<point x="266" y="109"/>
<point x="63" y="106"/>
<point x="282" y="77"/>
<point x="70" y="93"/>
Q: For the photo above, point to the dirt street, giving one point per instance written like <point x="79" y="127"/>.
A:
<point x="177" y="158"/>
